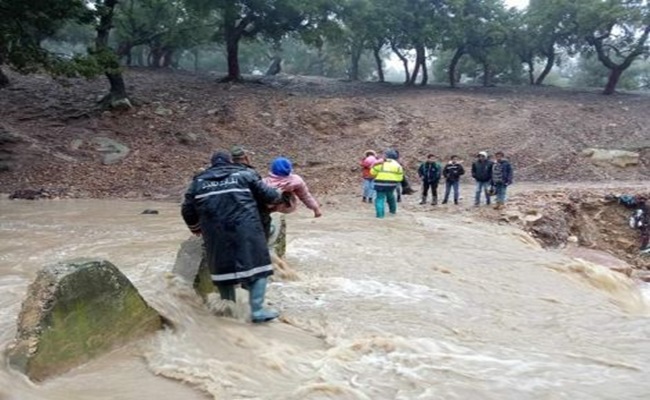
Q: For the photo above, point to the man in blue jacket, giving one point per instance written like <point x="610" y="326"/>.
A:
<point x="502" y="175"/>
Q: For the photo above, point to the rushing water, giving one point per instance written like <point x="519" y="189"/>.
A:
<point x="425" y="305"/>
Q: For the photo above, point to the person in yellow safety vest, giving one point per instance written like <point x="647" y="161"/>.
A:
<point x="388" y="176"/>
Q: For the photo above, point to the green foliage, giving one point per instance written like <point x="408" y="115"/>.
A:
<point x="615" y="31"/>
<point x="24" y="24"/>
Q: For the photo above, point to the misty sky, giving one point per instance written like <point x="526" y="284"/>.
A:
<point x="517" y="3"/>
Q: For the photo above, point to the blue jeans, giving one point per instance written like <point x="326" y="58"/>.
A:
<point x="481" y="187"/>
<point x="382" y="197"/>
<point x="501" y="192"/>
<point x="369" y="189"/>
<point x="451" y="185"/>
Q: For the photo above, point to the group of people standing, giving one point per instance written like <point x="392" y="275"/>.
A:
<point x="382" y="178"/>
<point x="384" y="181"/>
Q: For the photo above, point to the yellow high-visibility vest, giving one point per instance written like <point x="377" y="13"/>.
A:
<point x="388" y="171"/>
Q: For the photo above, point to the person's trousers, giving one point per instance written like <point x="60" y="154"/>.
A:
<point x="481" y="187"/>
<point x="380" y="203"/>
<point x="448" y="188"/>
<point x="368" y="189"/>
<point x="433" y="186"/>
<point x="501" y="194"/>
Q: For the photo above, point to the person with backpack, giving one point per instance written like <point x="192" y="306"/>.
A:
<point x="429" y="173"/>
<point x="452" y="173"/>
<point x="482" y="174"/>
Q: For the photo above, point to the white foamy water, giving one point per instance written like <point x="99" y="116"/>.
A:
<point x="420" y="306"/>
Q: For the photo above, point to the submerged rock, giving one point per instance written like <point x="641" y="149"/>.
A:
<point x="75" y="311"/>
<point x="192" y="266"/>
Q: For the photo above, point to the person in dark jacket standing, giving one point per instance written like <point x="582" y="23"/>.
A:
<point x="482" y="174"/>
<point x="221" y="204"/>
<point x="501" y="178"/>
<point x="429" y="173"/>
<point x="452" y="173"/>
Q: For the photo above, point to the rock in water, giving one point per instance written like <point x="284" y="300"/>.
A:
<point x="150" y="211"/>
<point x="75" y="311"/>
<point x="191" y="264"/>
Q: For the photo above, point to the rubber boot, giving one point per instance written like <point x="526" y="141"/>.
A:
<point x="227" y="292"/>
<point x="257" y="291"/>
<point x="424" y="200"/>
<point x="434" y="201"/>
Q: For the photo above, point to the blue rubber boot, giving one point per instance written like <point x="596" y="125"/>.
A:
<point x="257" y="291"/>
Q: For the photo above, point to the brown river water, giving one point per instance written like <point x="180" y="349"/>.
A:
<point x="424" y="305"/>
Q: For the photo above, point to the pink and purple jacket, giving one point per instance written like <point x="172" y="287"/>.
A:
<point x="295" y="185"/>
<point x="367" y="164"/>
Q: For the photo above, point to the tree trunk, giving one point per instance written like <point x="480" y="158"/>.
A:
<point x="155" y="57"/>
<point x="405" y="62"/>
<point x="232" y="49"/>
<point x="376" y="52"/>
<point x="416" y="71"/>
<point x="4" y="80"/>
<point x="321" y="62"/>
<point x="275" y="67"/>
<point x="124" y="50"/>
<point x="531" y="72"/>
<point x="117" y="97"/>
<point x="486" y="74"/>
<point x="420" y="63"/>
<point x="355" y="56"/>
<point x="233" y="31"/>
<point x="612" y="81"/>
<point x="453" y="64"/>
<point x="167" y="58"/>
<point x="139" y="56"/>
<point x="550" y="60"/>
<point x="196" y="52"/>
<point x="425" y="73"/>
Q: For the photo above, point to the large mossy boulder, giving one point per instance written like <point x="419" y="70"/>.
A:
<point x="75" y="311"/>
<point x="191" y="262"/>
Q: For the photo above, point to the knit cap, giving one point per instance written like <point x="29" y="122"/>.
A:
<point x="281" y="166"/>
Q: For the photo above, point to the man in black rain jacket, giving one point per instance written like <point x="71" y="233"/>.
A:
<point x="221" y="204"/>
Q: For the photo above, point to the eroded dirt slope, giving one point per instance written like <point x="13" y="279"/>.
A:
<point x="47" y="130"/>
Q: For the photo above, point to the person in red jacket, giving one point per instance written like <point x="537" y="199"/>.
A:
<point x="367" y="163"/>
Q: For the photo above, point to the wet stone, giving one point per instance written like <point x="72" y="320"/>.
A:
<point x="76" y="311"/>
<point x="191" y="262"/>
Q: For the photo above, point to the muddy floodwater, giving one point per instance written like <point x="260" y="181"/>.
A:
<point x="424" y="305"/>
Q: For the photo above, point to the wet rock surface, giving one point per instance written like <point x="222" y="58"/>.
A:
<point x="75" y="311"/>
<point x="584" y="218"/>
